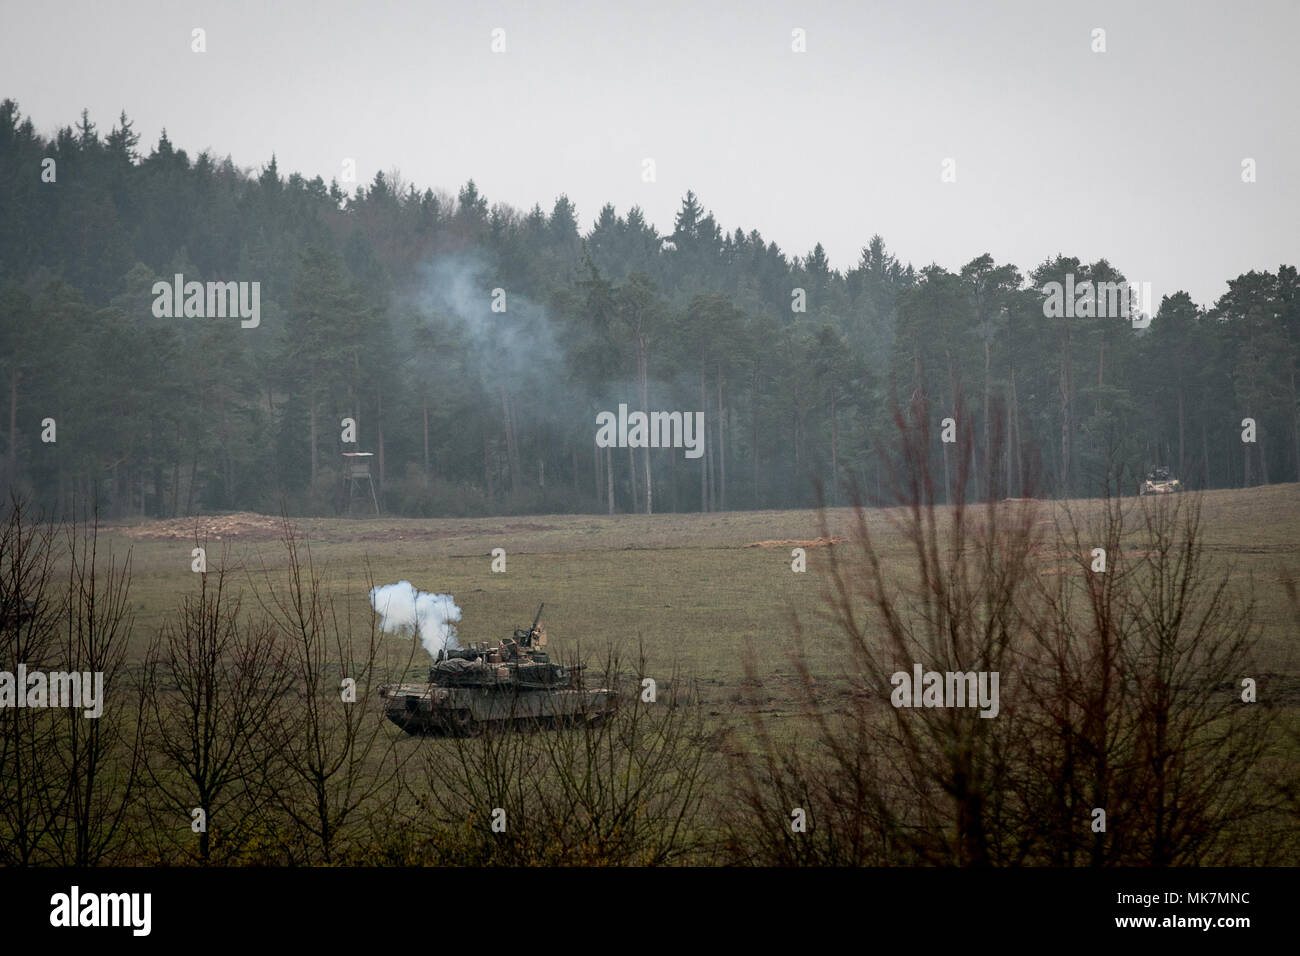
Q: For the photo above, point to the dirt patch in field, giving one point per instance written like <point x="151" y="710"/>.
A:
<point x="412" y="534"/>
<point x="246" y="526"/>
<point x="239" y="526"/>
<point x="408" y="533"/>
<point x="796" y="543"/>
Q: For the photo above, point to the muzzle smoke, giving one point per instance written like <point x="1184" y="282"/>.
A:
<point x="404" y="610"/>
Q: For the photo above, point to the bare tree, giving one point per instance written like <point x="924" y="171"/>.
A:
<point x="211" y="681"/>
<point x="1120" y="653"/>
<point x="337" y="759"/>
<point x="1199" y="744"/>
<point x="29" y="623"/>
<point x="96" y="760"/>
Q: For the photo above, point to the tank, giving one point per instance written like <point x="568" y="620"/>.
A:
<point x="1160" y="482"/>
<point x="513" y="685"/>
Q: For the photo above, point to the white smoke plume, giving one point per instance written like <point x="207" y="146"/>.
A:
<point x="404" y="610"/>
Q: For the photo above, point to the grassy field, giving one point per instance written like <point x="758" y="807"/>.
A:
<point x="694" y="589"/>
<point x="712" y="598"/>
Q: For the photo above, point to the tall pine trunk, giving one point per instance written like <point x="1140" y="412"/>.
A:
<point x="426" y="435"/>
<point x="988" y="448"/>
<point x="631" y="474"/>
<point x="379" y="430"/>
<point x="952" y="404"/>
<point x="1067" y="413"/>
<point x="710" y="467"/>
<point x="194" y="474"/>
<point x="1295" y="423"/>
<point x="1245" y="457"/>
<point x="1013" y="419"/>
<point x="609" y="477"/>
<point x="512" y="452"/>
<point x="672" y="481"/>
<point x="722" y="450"/>
<point x="835" y="460"/>
<point x="753" y="430"/>
<point x="311" y="391"/>
<point x="643" y="372"/>
<point x="176" y="472"/>
<point x="703" y="439"/>
<point x="1010" y="487"/>
<point x="1205" y="455"/>
<point x="1182" y="433"/>
<point x="12" y="470"/>
<point x="947" y="478"/>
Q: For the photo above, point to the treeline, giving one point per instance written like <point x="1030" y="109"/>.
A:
<point x="473" y="345"/>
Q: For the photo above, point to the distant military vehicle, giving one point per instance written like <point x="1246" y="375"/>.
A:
<point x="512" y="684"/>
<point x="1159" y="482"/>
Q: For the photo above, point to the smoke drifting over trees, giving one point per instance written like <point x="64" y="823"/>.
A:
<point x="474" y="344"/>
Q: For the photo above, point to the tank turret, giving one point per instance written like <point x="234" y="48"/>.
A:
<point x="513" y="682"/>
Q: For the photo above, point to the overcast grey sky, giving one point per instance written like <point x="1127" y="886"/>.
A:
<point x="1134" y="154"/>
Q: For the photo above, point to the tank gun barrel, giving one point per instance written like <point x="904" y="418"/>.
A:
<point x="526" y="636"/>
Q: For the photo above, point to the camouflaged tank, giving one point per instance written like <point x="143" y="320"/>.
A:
<point x="513" y="684"/>
<point x="1160" y="482"/>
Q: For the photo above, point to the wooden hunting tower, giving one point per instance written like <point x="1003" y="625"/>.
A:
<point x="356" y="472"/>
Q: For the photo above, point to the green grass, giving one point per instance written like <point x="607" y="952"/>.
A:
<point x="693" y="589"/>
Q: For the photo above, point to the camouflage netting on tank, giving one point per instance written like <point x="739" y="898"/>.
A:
<point x="542" y="675"/>
<point x="460" y="671"/>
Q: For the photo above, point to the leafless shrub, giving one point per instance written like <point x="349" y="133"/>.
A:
<point x="1136" y="681"/>
<point x="212" y="679"/>
<point x="335" y="761"/>
<point x="1119" y="692"/>
<point x="93" y="764"/>
<point x="30" y="608"/>
<point x="1282" y="829"/>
